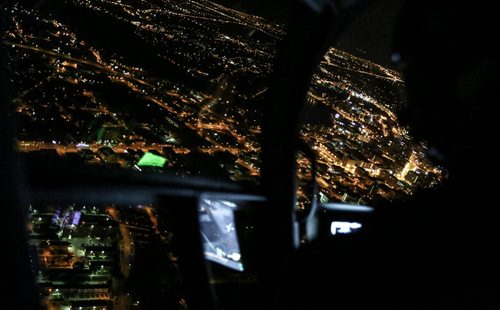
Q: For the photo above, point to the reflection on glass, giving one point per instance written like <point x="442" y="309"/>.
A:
<point x="102" y="257"/>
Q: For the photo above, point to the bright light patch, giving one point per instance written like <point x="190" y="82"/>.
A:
<point x="344" y="227"/>
<point x="229" y="204"/>
<point x="76" y="217"/>
<point x="346" y="207"/>
<point x="152" y="160"/>
<point x="82" y="145"/>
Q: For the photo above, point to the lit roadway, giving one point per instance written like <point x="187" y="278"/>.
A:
<point x="126" y="251"/>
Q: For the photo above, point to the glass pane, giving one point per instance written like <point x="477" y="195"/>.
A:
<point x="120" y="82"/>
<point x="364" y="154"/>
<point x="103" y="257"/>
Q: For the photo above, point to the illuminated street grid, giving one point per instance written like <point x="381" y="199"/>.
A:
<point x="187" y="80"/>
<point x="92" y="257"/>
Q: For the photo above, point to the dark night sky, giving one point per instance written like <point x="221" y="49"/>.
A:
<point x="369" y="35"/>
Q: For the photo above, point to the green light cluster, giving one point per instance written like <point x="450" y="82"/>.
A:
<point x="151" y="160"/>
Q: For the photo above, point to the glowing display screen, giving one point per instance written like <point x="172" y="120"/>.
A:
<point x="220" y="241"/>
<point x="338" y="227"/>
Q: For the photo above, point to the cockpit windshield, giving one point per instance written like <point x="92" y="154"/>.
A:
<point x="179" y="87"/>
<point x="121" y="82"/>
